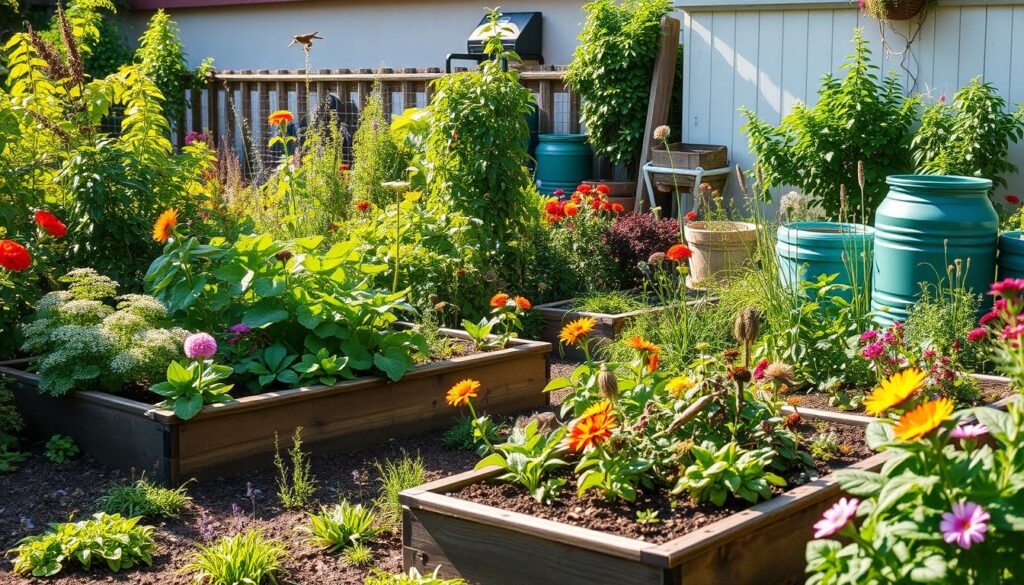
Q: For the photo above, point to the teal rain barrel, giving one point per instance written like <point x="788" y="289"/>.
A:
<point x="808" y="249"/>
<point x="1011" y="255"/>
<point x="926" y="223"/>
<point x="563" y="162"/>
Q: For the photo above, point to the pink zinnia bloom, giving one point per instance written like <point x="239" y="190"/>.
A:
<point x="977" y="335"/>
<point x="969" y="431"/>
<point x="988" y="317"/>
<point x="200" y="345"/>
<point x="836" y="517"/>
<point x="965" y="525"/>
<point x="889" y="338"/>
<point x="873" y="351"/>
<point x="868" y="336"/>
<point x="1010" y="287"/>
<point x="759" y="369"/>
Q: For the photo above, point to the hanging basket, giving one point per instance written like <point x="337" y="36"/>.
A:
<point x="895" y="9"/>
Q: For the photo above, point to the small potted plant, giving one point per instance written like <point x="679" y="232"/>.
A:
<point x="722" y="246"/>
<point x="893" y="9"/>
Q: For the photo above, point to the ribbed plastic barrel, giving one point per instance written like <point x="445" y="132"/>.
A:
<point x="563" y="162"/>
<point x="926" y="223"/>
<point x="1011" y="255"/>
<point x="808" y="249"/>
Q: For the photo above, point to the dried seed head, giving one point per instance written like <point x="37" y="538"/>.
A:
<point x="661" y="133"/>
<point x="747" y="325"/>
<point x="741" y="179"/>
<point x="843" y="199"/>
<point x="860" y="174"/>
<point x="607" y="383"/>
<point x="76" y="68"/>
<point x="780" y="372"/>
<point x="760" y="178"/>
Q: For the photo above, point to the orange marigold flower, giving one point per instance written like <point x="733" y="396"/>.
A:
<point x="571" y="209"/>
<point x="923" y="419"/>
<point x="583" y="188"/>
<point x="164" y="226"/>
<point x="499" y="300"/>
<point x="603" y="189"/>
<point x="279" y="117"/>
<point x="14" y="256"/>
<point x="576" y="330"/>
<point x="460" y="393"/>
<point x="523" y="303"/>
<point x="592" y="430"/>
<point x="652" y="362"/>
<point x="679" y="252"/>
<point x="618" y="208"/>
<point x="894" y="390"/>
<point x="363" y="205"/>
<point x="640" y="344"/>
<point x="49" y="222"/>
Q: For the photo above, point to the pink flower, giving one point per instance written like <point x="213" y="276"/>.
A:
<point x="969" y="431"/>
<point x="977" y="335"/>
<point x="200" y="345"/>
<point x="558" y="192"/>
<point x="873" y="351"/>
<point x="889" y="338"/>
<point x="759" y="369"/>
<point x="1010" y="287"/>
<point x="868" y="336"/>
<point x="836" y="517"/>
<point x="929" y="354"/>
<point x="988" y="317"/>
<point x="240" y="329"/>
<point x="195" y="137"/>
<point x="965" y="525"/>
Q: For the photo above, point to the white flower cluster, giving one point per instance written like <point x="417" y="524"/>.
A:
<point x="797" y="206"/>
<point x="82" y="312"/>
<point x="144" y="306"/>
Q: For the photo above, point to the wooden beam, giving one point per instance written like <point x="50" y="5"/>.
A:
<point x="661" y="95"/>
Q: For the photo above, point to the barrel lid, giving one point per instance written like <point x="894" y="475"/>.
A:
<point x="939" y="182"/>
<point x="562" y="137"/>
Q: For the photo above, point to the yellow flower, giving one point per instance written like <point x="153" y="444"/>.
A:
<point x="162" y="229"/>
<point x="597" y="407"/>
<point x="893" y="391"/>
<point x="575" y="331"/>
<point x="923" y="419"/>
<point x="679" y="385"/>
<point x="460" y="393"/>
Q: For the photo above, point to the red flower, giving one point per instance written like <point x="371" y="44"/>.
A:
<point x="1012" y="199"/>
<point x="576" y="198"/>
<point x="571" y="209"/>
<point x="344" y="167"/>
<point x="618" y="208"/>
<point x="523" y="303"/>
<point x="652" y="362"/>
<point x="603" y="189"/>
<point x="584" y="188"/>
<point x="595" y="204"/>
<point x="51" y="224"/>
<point x="499" y="300"/>
<point x="363" y="205"/>
<point x="558" y="192"/>
<point x="793" y="419"/>
<point x="14" y="256"/>
<point x="690" y="216"/>
<point x="679" y="252"/>
<point x="606" y="206"/>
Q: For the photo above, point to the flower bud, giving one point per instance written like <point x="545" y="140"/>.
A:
<point x="607" y="383"/>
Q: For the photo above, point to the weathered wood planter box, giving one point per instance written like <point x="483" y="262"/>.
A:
<point x="486" y="545"/>
<point x="238" y="436"/>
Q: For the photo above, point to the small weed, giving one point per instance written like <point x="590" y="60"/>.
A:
<point x="460" y="436"/>
<point x="60" y="449"/>
<point x="396" y="476"/>
<point x="297" y="486"/>
<point x="358" y="555"/>
<point x="143" y="498"/>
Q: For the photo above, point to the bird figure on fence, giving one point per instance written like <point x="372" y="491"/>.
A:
<point x="305" y="40"/>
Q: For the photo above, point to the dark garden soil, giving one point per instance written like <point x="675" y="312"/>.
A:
<point x="991" y="391"/>
<point x="677" y="515"/>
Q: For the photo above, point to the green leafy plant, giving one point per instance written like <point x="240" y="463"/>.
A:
<point x="190" y="387"/>
<point x="396" y="476"/>
<point x="647" y="517"/>
<point x="463" y="435"/>
<point x="144" y="498"/>
<point x="612" y="303"/>
<point x="859" y="120"/>
<point x="825" y="446"/>
<point x="341" y="527"/>
<point x="100" y="38"/>
<point x="611" y="71"/>
<point x="272" y="365"/>
<point x="718" y="472"/>
<point x="243" y="558"/>
<point x="413" y="577"/>
<point x="968" y="136"/>
<point x="118" y="543"/>
<point x="161" y="57"/>
<point x="61" y="449"/>
<point x="503" y="324"/>
<point x="378" y="158"/>
<point x="295" y="486"/>
<point x="10" y="456"/>
<point x="528" y="458"/>
<point x="358" y="555"/>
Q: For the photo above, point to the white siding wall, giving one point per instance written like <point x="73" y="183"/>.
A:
<point x="767" y="59"/>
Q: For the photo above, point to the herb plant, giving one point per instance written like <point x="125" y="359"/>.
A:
<point x="717" y="473"/>
<point x="296" y="484"/>
<point x="413" y="577"/>
<point x="529" y="458"/>
<point x="114" y="541"/>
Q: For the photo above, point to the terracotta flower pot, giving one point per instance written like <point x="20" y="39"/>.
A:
<point x="721" y="253"/>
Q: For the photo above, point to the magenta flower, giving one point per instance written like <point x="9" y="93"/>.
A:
<point x="239" y="329"/>
<point x="195" y="137"/>
<point x="759" y="369"/>
<point x="1010" y="288"/>
<point x="836" y="517"/>
<point x="988" y="317"/>
<point x="868" y="336"/>
<point x="977" y="335"/>
<point x="965" y="525"/>
<point x="200" y="345"/>
<point x="558" y="192"/>
<point x="969" y="431"/>
<point x="889" y="338"/>
<point x="873" y="351"/>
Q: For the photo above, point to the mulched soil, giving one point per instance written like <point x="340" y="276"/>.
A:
<point x="677" y="515"/>
<point x="991" y="391"/>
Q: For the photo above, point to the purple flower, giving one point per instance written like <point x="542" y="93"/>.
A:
<point x="236" y="510"/>
<point x="200" y="345"/>
<point x="969" y="431"/>
<point x="836" y="517"/>
<point x="207" y="531"/>
<point x="873" y="351"/>
<point x="249" y="491"/>
<point x="239" y="329"/>
<point x="868" y="336"/>
<point x="195" y="137"/>
<point x="965" y="525"/>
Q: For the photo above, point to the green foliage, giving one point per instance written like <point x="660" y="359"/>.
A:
<point x="611" y="303"/>
<point x="825" y="446"/>
<point x="648" y="517"/>
<point x="101" y="39"/>
<point x="861" y="118"/>
<point x="941" y="320"/>
<point x="61" y="449"/>
<point x="718" y="472"/>
<point x="10" y="456"/>
<point x="341" y="527"/>
<point x="969" y="136"/>
<point x="378" y="158"/>
<point x="189" y="387"/>
<point x="463" y="435"/>
<point x="144" y="498"/>
<point x="611" y="72"/>
<point x="161" y="57"/>
<point x="501" y="327"/>
<point x="412" y="578"/>
<point x="295" y="486"/>
<point x="395" y="477"/>
<point x="528" y="458"/>
<point x="358" y="555"/>
<point x="112" y="540"/>
<point x="10" y="419"/>
<point x="88" y="337"/>
<point x="243" y="558"/>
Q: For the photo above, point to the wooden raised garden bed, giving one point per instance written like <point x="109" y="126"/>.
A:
<point x="238" y="436"/>
<point x="485" y="545"/>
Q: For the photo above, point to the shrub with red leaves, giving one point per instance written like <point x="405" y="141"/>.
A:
<point x="635" y="236"/>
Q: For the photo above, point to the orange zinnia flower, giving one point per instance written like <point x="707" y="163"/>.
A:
<point x="49" y="222"/>
<point x="523" y="303"/>
<point x="164" y="226"/>
<point x="14" y="256"/>
<point x="499" y="300"/>
<point x="618" y="208"/>
<point x="592" y="429"/>
<point x="571" y="209"/>
<point x="459" y="394"/>
<point x="577" y="330"/>
<point x="640" y="344"/>
<point x="679" y="252"/>
<point x="279" y="117"/>
<point x="652" y="362"/>
<point x="923" y="419"/>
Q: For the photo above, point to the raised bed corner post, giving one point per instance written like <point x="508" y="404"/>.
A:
<point x="661" y="95"/>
